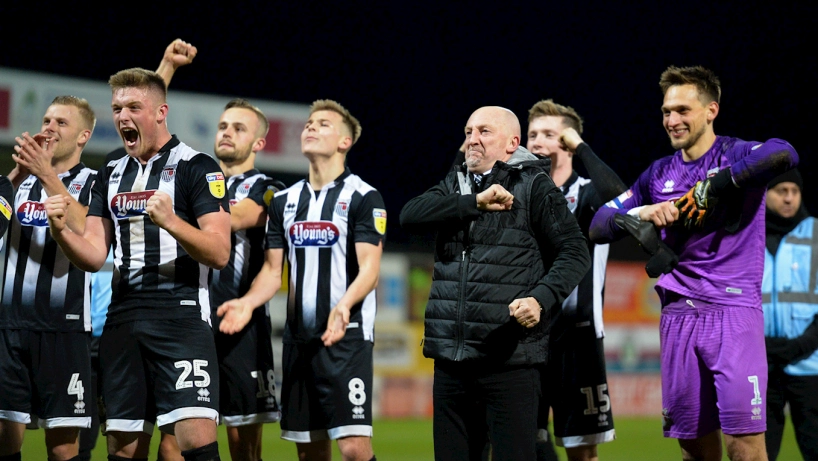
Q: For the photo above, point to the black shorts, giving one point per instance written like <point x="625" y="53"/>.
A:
<point x="248" y="386"/>
<point x="575" y="387"/>
<point x="327" y="391"/>
<point x="158" y="370"/>
<point x="46" y="375"/>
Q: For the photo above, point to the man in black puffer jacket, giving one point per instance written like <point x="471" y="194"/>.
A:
<point x="508" y="252"/>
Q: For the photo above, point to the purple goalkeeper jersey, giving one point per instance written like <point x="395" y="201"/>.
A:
<point x="715" y="265"/>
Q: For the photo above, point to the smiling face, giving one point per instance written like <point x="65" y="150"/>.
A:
<point x="65" y="126"/>
<point x="237" y="135"/>
<point x="492" y="134"/>
<point x="325" y="134"/>
<point x="139" y="115"/>
<point x="544" y="139"/>
<point x="687" y="120"/>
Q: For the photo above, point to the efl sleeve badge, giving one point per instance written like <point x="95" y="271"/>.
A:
<point x="216" y="183"/>
<point x="380" y="220"/>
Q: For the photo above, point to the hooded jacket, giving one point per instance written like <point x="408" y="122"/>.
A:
<point x="484" y="260"/>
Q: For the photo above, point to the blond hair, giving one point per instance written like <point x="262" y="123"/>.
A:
<point x="548" y="107"/>
<point x="137" y="77"/>
<point x="85" y="110"/>
<point x="351" y="122"/>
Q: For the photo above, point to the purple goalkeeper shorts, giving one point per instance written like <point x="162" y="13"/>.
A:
<point x="714" y="368"/>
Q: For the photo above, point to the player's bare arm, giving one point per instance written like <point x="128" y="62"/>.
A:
<point x="247" y="214"/>
<point x="661" y="214"/>
<point x="34" y="154"/>
<point x="88" y="250"/>
<point x="495" y="198"/>
<point x="236" y="313"/>
<point x="209" y="244"/>
<point x="179" y="53"/>
<point x="369" y="264"/>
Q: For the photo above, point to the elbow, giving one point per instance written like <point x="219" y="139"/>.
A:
<point x="220" y="258"/>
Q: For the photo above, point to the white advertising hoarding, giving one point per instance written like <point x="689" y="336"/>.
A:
<point x="193" y="117"/>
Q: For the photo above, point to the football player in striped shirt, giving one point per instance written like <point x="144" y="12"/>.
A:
<point x="45" y="302"/>
<point x="331" y="227"/>
<point x="163" y="208"/>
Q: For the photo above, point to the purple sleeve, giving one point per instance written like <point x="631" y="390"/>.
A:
<point x="758" y="163"/>
<point x="603" y="228"/>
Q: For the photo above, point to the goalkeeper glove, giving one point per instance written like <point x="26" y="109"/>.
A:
<point x="700" y="200"/>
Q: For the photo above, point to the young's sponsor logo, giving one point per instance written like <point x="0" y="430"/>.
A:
<point x="130" y="204"/>
<point x="313" y="234"/>
<point x="32" y="214"/>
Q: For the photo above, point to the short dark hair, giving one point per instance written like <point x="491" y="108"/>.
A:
<point x="705" y="81"/>
<point x="137" y="77"/>
<point x="239" y="103"/>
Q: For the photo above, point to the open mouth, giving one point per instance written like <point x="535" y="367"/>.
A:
<point x="130" y="136"/>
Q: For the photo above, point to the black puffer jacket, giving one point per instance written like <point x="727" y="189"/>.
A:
<point x="485" y="260"/>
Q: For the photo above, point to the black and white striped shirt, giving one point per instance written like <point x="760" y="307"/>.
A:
<point x="154" y="278"/>
<point x="583" y="307"/>
<point x="42" y="290"/>
<point x="318" y="231"/>
<point x="247" y="245"/>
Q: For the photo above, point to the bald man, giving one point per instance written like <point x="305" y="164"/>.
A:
<point x="508" y="252"/>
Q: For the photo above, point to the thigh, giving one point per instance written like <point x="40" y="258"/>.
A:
<point x="327" y="392"/>
<point x="802" y="393"/>
<point x="184" y="374"/>
<point x="15" y="386"/>
<point x="688" y="394"/>
<point x="61" y="374"/>
<point x="247" y="376"/>
<point x="582" y="406"/>
<point x="737" y="357"/>
<point x="512" y="396"/>
<point x="459" y="426"/>
<point x="124" y="380"/>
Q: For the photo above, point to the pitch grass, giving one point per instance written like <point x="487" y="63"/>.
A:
<point x="404" y="440"/>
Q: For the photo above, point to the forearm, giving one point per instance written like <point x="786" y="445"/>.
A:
<point x="16" y="176"/>
<point x="603" y="227"/>
<point x="426" y="212"/>
<point x="211" y="248"/>
<point x="607" y="183"/>
<point x="570" y="265"/>
<point x="82" y="253"/>
<point x="75" y="212"/>
<point x="764" y="163"/>
<point x="364" y="283"/>
<point x="264" y="286"/>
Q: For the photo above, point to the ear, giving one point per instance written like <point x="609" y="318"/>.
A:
<point x="83" y="138"/>
<point x="162" y="113"/>
<point x="345" y="143"/>
<point x="513" y="144"/>
<point x="259" y="144"/>
<point x="712" y="111"/>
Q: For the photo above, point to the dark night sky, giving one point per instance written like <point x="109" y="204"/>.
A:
<point x="413" y="72"/>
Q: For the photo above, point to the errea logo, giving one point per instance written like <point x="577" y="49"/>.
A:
<point x="668" y="186"/>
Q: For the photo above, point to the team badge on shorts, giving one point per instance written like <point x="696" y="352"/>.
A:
<point x="5" y="208"/>
<point x="216" y="183"/>
<point x="380" y="220"/>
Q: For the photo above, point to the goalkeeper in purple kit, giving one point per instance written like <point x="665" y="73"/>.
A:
<point x="708" y="201"/>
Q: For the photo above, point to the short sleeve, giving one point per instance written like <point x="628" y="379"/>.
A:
<point x="99" y="194"/>
<point x="86" y="193"/>
<point x="205" y="186"/>
<point x="263" y="190"/>
<point x="275" y="237"/>
<point x="369" y="213"/>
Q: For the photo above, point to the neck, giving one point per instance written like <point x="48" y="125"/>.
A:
<point x="700" y="148"/>
<point x="64" y="164"/>
<point x="324" y="170"/>
<point x="159" y="142"/>
<point x="560" y="173"/>
<point x="235" y="168"/>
